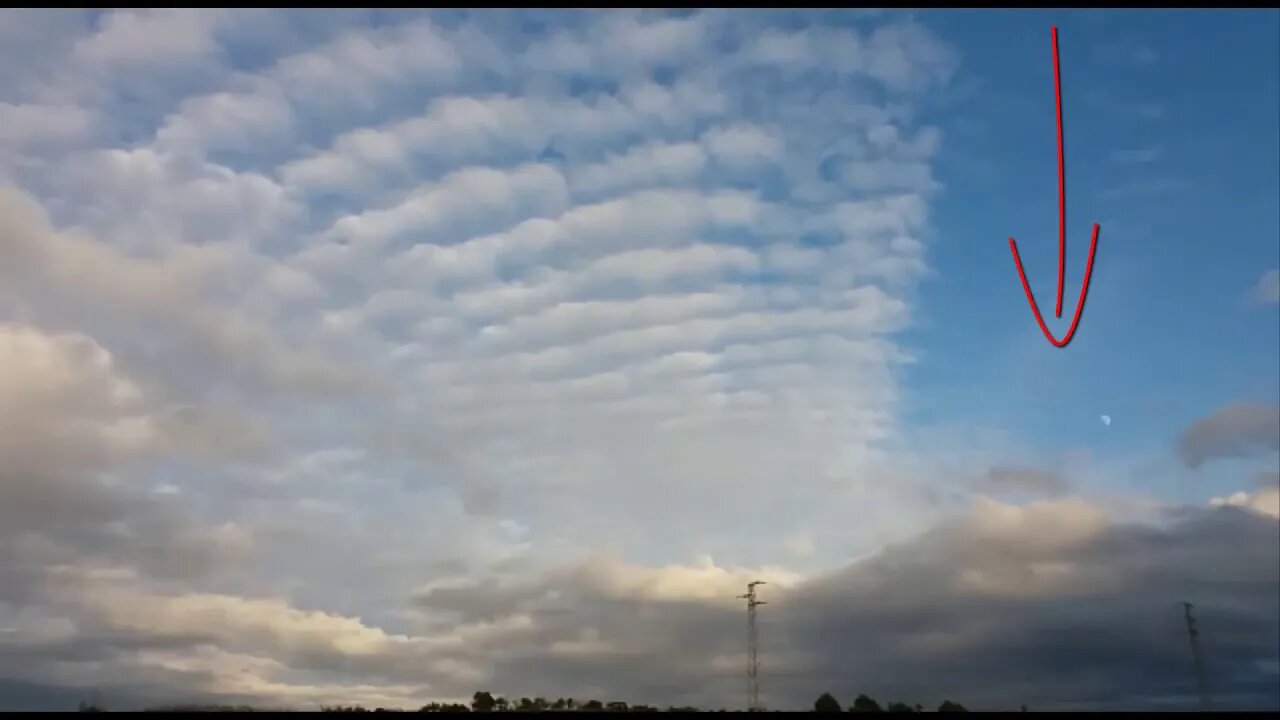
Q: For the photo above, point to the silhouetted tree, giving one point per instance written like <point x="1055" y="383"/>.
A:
<point x="826" y="702"/>
<point x="948" y="706"/>
<point x="444" y="707"/>
<point x="862" y="703"/>
<point x="899" y="707"/>
<point x="593" y="706"/>
<point x="482" y="701"/>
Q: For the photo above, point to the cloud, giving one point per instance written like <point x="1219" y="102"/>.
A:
<point x="1265" y="501"/>
<point x="227" y="120"/>
<point x="959" y="600"/>
<point x="48" y="273"/>
<point x="647" y="166"/>
<point x="74" y="438"/>
<point x="332" y="343"/>
<point x="182" y="36"/>
<point x="357" y="67"/>
<point x="1081" y="563"/>
<point x="1267" y="291"/>
<point x="977" y="609"/>
<point x="625" y="43"/>
<point x="1040" y="482"/>
<point x="743" y="144"/>
<point x="313" y="279"/>
<point x="1236" y="430"/>
<point x="30" y="124"/>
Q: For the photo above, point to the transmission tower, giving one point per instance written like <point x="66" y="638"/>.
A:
<point x="753" y="665"/>
<point x="1197" y="654"/>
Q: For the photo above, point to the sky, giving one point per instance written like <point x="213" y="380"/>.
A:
<point x="381" y="357"/>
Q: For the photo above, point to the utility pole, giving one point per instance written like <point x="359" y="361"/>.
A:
<point x="1197" y="654"/>
<point x="753" y="666"/>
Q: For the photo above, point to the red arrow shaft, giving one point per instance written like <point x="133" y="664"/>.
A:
<point x="1062" y="178"/>
<point x="1062" y="231"/>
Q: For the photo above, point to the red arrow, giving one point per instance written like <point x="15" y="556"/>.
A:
<point x="1062" y="232"/>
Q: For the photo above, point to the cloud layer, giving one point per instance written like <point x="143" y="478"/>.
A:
<point x="381" y="357"/>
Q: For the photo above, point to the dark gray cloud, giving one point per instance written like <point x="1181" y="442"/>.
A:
<point x="1108" y="635"/>
<point x="1053" y="604"/>
<point x="1236" y="430"/>
<point x="1047" y="605"/>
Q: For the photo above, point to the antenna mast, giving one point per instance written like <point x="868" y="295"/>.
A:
<point x="1197" y="654"/>
<point x="753" y="665"/>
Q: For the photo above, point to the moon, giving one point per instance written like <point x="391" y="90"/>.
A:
<point x="1106" y="420"/>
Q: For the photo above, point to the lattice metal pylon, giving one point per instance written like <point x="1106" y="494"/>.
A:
<point x="1197" y="654"/>
<point x="753" y="663"/>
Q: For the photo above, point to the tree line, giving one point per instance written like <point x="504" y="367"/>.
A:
<point x="484" y="701"/>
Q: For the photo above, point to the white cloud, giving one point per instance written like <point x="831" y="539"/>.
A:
<point x="465" y="200"/>
<point x="224" y="120"/>
<point x="1265" y="501"/>
<point x="624" y="42"/>
<point x="31" y="124"/>
<point x="168" y="36"/>
<point x="642" y="166"/>
<point x="356" y="65"/>
<point x="743" y="144"/>
<point x="457" y="130"/>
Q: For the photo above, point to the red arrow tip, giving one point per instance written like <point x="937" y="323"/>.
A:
<point x="1062" y="228"/>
